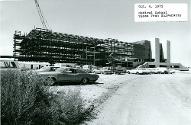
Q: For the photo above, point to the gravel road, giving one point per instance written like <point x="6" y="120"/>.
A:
<point x="148" y="100"/>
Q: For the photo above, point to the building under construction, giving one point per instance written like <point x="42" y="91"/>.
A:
<point x="46" y="46"/>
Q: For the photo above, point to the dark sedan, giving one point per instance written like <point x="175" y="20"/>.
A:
<point x="61" y="75"/>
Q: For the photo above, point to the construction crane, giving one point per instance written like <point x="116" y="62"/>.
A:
<point x="42" y="18"/>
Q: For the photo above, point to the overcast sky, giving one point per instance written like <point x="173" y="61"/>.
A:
<point x="95" y="18"/>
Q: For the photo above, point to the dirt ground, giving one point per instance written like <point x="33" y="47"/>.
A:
<point x="149" y="100"/>
<point x="158" y="99"/>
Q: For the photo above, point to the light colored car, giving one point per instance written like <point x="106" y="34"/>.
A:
<point x="139" y="71"/>
<point x="106" y="70"/>
<point x="97" y="71"/>
<point x="87" y="68"/>
<point x="120" y="70"/>
<point x="171" y="71"/>
<point x="48" y="69"/>
<point x="161" y="70"/>
<point x="68" y="74"/>
<point x="154" y="70"/>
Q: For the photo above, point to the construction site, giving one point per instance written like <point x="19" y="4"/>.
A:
<point x="46" y="46"/>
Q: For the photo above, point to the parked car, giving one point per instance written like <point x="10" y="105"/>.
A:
<point x="97" y="71"/>
<point x="120" y="70"/>
<point x="48" y="69"/>
<point x="139" y="71"/>
<point x="87" y="68"/>
<point x="106" y="70"/>
<point x="171" y="71"/>
<point x="161" y="70"/>
<point x="67" y="74"/>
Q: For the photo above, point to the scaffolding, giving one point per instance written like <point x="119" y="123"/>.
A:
<point x="46" y="46"/>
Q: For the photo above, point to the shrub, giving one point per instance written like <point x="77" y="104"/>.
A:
<point x="26" y="101"/>
<point x="71" y="108"/>
<point x="20" y="93"/>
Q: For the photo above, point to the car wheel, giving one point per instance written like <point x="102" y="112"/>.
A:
<point x="165" y="72"/>
<point x="84" y="81"/>
<point x="50" y="81"/>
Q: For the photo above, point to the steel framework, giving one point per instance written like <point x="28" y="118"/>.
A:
<point x="47" y="46"/>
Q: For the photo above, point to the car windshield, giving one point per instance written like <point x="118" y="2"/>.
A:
<point x="81" y="71"/>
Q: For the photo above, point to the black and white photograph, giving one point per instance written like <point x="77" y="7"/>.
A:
<point x="95" y="62"/>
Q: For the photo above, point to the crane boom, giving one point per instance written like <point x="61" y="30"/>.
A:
<point x="40" y="13"/>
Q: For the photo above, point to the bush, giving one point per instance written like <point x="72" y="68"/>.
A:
<point x="21" y="92"/>
<point x="71" y="108"/>
<point x="26" y="101"/>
